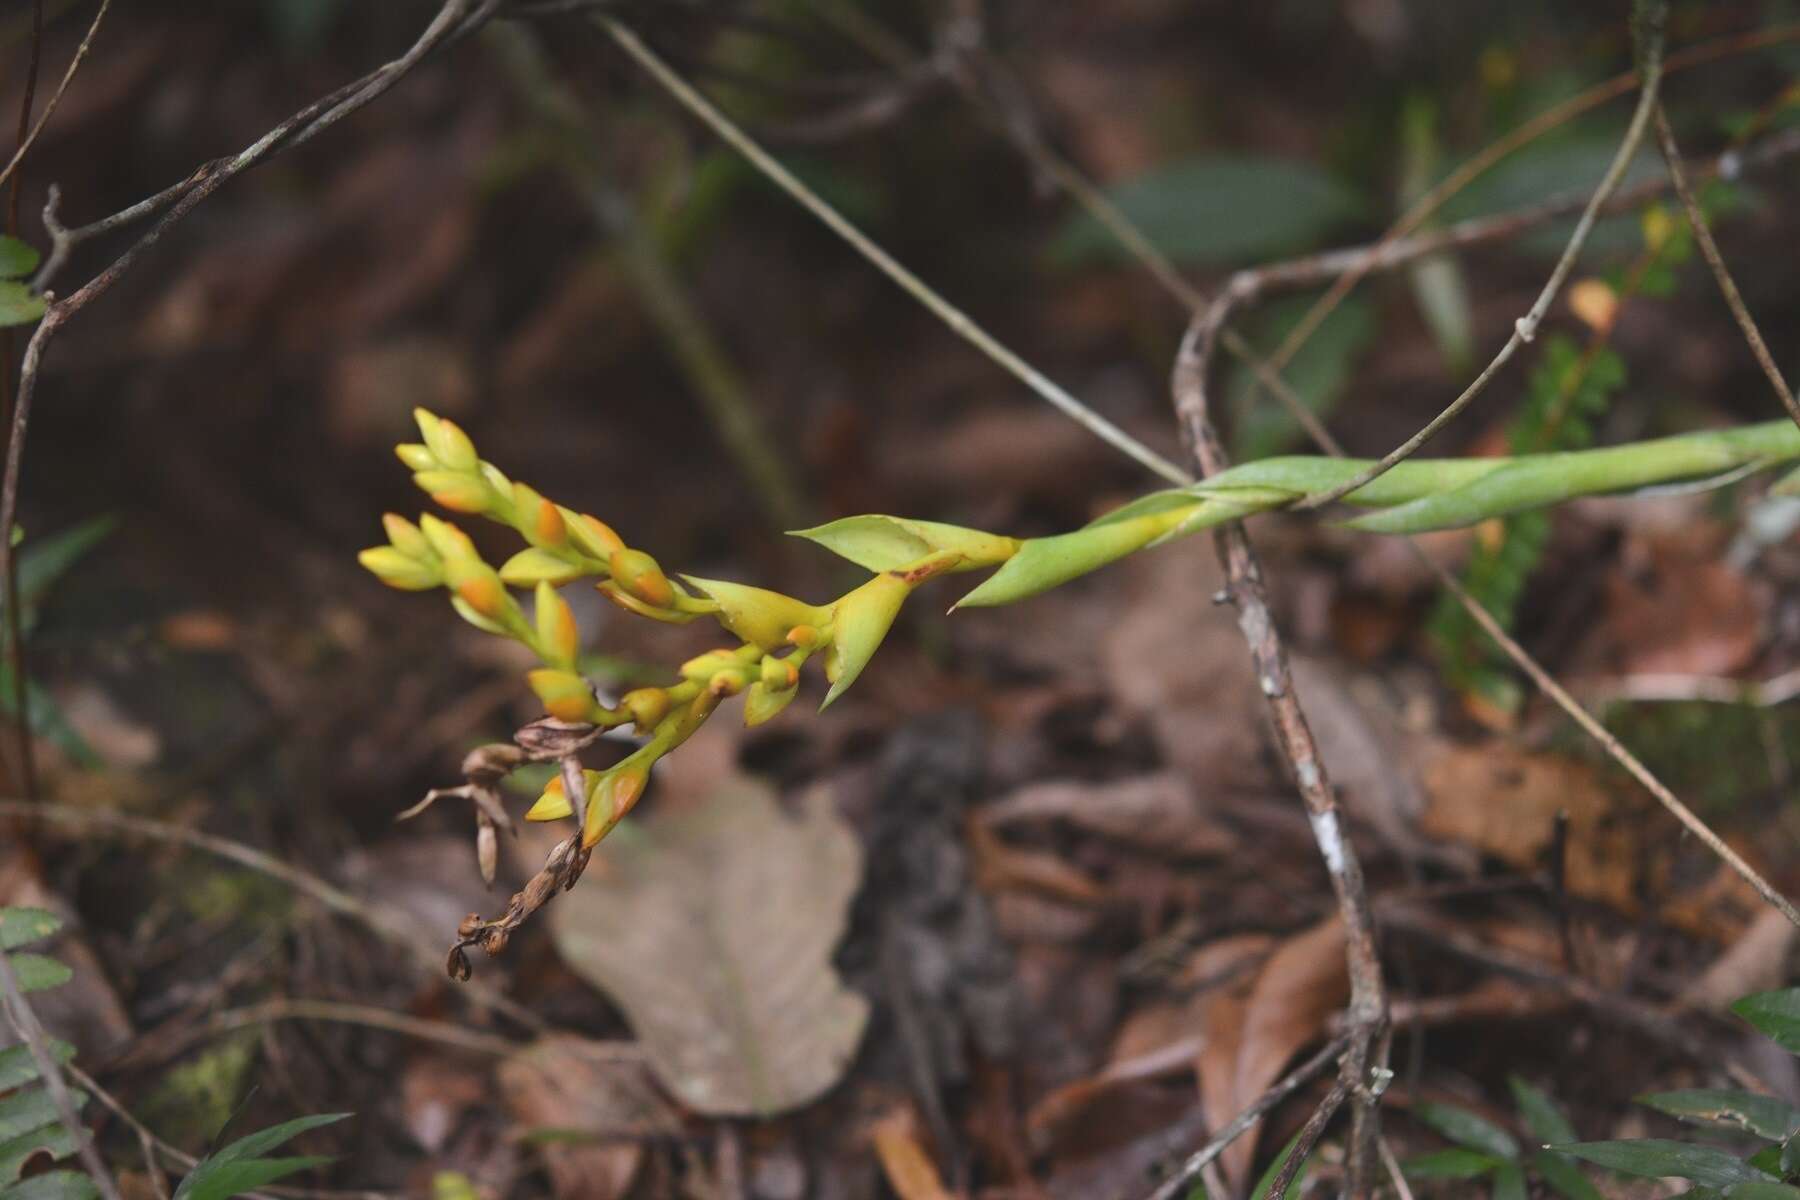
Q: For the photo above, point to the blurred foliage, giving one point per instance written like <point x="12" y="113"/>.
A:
<point x="30" y="1125"/>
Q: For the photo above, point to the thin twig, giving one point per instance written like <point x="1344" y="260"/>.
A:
<point x="958" y="321"/>
<point x="1396" y="1176"/>
<point x="1245" y="590"/>
<point x="1709" y="250"/>
<point x="31" y="1032"/>
<point x="81" y="53"/>
<point x="1177" y="1183"/>
<point x="1525" y="329"/>
<point x="1304" y="1142"/>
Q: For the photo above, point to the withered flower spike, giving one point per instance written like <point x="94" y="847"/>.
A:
<point x="548" y="738"/>
<point x="487" y="850"/>
<point x="432" y="797"/>
<point x="493" y="762"/>
<point x="469" y="925"/>
<point x="458" y="967"/>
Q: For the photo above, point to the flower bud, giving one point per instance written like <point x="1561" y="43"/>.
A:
<point x="647" y="706"/>
<point x="558" y="637"/>
<point x="532" y="566"/>
<point x="539" y="518"/>
<point x="399" y="570"/>
<point x="553" y="805"/>
<point x="615" y="796"/>
<point x="703" y="667"/>
<point x="451" y="543"/>
<point x="455" y="491"/>
<point x="726" y="683"/>
<point x="416" y="457"/>
<point x="447" y="441"/>
<point x="594" y="536"/>
<point x="405" y="536"/>
<point x="778" y="675"/>
<point x="639" y="575"/>
<point x="483" y="593"/>
<point x="803" y="636"/>
<point x="566" y="695"/>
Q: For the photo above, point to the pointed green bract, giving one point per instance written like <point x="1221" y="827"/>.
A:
<point x="1043" y="563"/>
<point x="859" y="623"/>
<point x="756" y="614"/>
<point x="881" y="543"/>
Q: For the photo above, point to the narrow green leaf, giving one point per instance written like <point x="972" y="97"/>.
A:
<point x="39" y="973"/>
<point x="54" y="1185"/>
<point x="17" y="305"/>
<point x="1547" y="1122"/>
<point x="264" y="1140"/>
<point x="1659" y="1158"/>
<point x="1562" y="1176"/>
<point x="1775" y="1014"/>
<point x="23" y="926"/>
<point x="212" y="1180"/>
<point x="1044" y="563"/>
<point x="1765" y="1116"/>
<point x="46" y="560"/>
<point x="53" y="1139"/>
<point x="17" y="1066"/>
<point x="1509" y="1183"/>
<point x="1763" y="1191"/>
<point x="1454" y="1163"/>
<point x="1468" y="1129"/>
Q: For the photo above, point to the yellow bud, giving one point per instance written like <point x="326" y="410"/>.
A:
<point x="447" y="441"/>
<point x="609" y="802"/>
<point x="554" y="805"/>
<point x="778" y="675"/>
<point x="558" y="637"/>
<point x="405" y="536"/>
<point x="647" y="706"/>
<point x="484" y="594"/>
<point x="803" y="636"/>
<point x="703" y="667"/>
<point x="756" y="614"/>
<point x="416" y="457"/>
<point x="531" y="566"/>
<point x="399" y="570"/>
<point x="455" y="491"/>
<point x="726" y="683"/>
<point x="592" y="535"/>
<point x="639" y="575"/>
<point x="450" y="542"/>
<point x="631" y="604"/>
<point x="566" y="695"/>
<point x="542" y="520"/>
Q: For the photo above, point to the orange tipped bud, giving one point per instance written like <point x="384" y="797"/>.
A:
<point x="547" y="524"/>
<point x="565" y="695"/>
<point x="450" y="542"/>
<point x="484" y="594"/>
<point x="627" y="787"/>
<point x="639" y="575"/>
<point x="592" y="535"/>
<point x="416" y="457"/>
<point x="726" y="683"/>
<point x="803" y="636"/>
<point x="405" y="537"/>
<point x="778" y="675"/>
<point x="703" y="667"/>
<point x="447" y="441"/>
<point x="647" y="706"/>
<point x="455" y="491"/>
<point x="558" y="637"/>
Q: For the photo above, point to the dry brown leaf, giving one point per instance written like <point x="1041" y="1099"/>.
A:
<point x="1683" y="612"/>
<point x="1158" y="811"/>
<point x="561" y="1083"/>
<point x="999" y="867"/>
<point x="1298" y="989"/>
<point x="712" y="927"/>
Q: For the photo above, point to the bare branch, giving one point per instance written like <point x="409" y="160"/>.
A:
<point x="81" y="53"/>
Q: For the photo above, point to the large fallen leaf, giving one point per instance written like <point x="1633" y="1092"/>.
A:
<point x="712" y="928"/>
<point x="596" y="1114"/>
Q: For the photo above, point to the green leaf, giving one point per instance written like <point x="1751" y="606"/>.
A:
<point x="236" y="1169"/>
<point x="1468" y="1129"/>
<point x="53" y="1139"/>
<point x="1570" y="164"/>
<point x="38" y="972"/>
<point x="1768" y="1159"/>
<point x="17" y="305"/>
<point x="22" y="926"/>
<point x="1763" y="1191"/>
<point x="1775" y="1014"/>
<point x="1215" y="210"/>
<point x="1765" y="1116"/>
<point x="1659" y="1158"/>
<point x="16" y="257"/>
<point x="53" y="1185"/>
<point x="881" y="543"/>
<point x="1455" y="1163"/>
<point x="1546" y="1121"/>
<point x="1047" y="562"/>
<point x="17" y="1066"/>
<point x="1562" y="1176"/>
<point x="32" y="1109"/>
<point x="44" y="561"/>
<point x="1509" y="1183"/>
